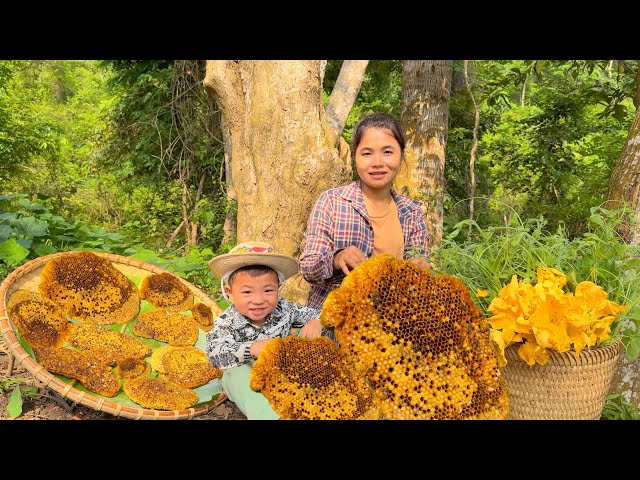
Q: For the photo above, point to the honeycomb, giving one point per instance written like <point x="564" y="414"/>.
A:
<point x="94" y="374"/>
<point x="109" y="346"/>
<point x="159" y="394"/>
<point x="186" y="366"/>
<point x="38" y="320"/>
<point x="90" y="289"/>
<point x="420" y="341"/>
<point x="203" y="315"/>
<point x="174" y="328"/>
<point x="132" y="367"/>
<point x="310" y="379"/>
<point x="166" y="291"/>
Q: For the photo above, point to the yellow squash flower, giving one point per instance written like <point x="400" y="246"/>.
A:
<point x="544" y="316"/>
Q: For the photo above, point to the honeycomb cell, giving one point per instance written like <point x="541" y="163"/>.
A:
<point x="166" y="291"/>
<point x="38" y="320"/>
<point x="133" y="367"/>
<point x="159" y="394"/>
<point x="89" y="288"/>
<point x="186" y="366"/>
<point x="109" y="346"/>
<point x="174" y="328"/>
<point x="311" y="379"/>
<point x="419" y="339"/>
<point x="203" y="315"/>
<point x="94" y="374"/>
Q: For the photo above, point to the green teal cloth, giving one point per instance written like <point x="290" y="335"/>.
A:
<point x="254" y="405"/>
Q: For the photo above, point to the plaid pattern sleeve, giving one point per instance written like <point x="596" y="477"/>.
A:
<point x="339" y="219"/>
<point x="414" y="227"/>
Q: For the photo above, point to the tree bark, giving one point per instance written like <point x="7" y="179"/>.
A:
<point x="345" y="92"/>
<point x="624" y="185"/>
<point x="229" y="227"/>
<point x="636" y="99"/>
<point x="426" y="88"/>
<point x="474" y="143"/>
<point x="283" y="150"/>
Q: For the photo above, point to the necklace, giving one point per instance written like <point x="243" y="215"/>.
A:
<point x="369" y="204"/>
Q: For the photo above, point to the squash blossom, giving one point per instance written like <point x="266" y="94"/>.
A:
<point x="545" y="316"/>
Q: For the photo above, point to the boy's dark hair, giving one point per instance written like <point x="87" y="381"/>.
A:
<point x="377" y="120"/>
<point x="253" y="271"/>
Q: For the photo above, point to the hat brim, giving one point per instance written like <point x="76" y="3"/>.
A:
<point x="229" y="262"/>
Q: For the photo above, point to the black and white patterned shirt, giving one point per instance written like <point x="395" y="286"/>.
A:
<point x="229" y="341"/>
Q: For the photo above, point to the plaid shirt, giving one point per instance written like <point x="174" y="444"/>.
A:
<point x="339" y="219"/>
<point x="229" y="341"/>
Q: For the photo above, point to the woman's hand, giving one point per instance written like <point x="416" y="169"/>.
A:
<point x="348" y="259"/>
<point x="421" y="262"/>
<point x="311" y="329"/>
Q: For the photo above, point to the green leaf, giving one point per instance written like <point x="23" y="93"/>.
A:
<point x="12" y="253"/>
<point x="619" y="112"/>
<point x="33" y="206"/>
<point x="540" y="64"/>
<point x="30" y="227"/>
<point x="5" y="232"/>
<point x="44" y="249"/>
<point x="632" y="348"/>
<point x="7" y="382"/>
<point x="14" y="407"/>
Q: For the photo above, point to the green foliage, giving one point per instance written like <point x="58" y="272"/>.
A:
<point x="380" y="90"/>
<point x="617" y="408"/>
<point x="547" y="144"/>
<point x="29" y="230"/>
<point x="159" y="142"/>
<point x="487" y="258"/>
<point x="25" y="133"/>
<point x="18" y="394"/>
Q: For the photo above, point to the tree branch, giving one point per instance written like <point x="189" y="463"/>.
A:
<point x="344" y="93"/>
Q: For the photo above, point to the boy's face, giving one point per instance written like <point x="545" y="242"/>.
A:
<point x="254" y="297"/>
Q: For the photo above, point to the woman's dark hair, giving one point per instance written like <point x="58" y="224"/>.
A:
<point x="377" y="120"/>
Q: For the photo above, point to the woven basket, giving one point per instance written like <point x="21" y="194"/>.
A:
<point x="564" y="388"/>
<point x="27" y="277"/>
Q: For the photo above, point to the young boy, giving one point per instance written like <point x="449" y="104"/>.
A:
<point x="252" y="274"/>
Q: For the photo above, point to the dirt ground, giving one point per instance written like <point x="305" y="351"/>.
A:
<point x="55" y="407"/>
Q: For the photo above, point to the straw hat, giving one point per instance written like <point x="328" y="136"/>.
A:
<point x="252" y="253"/>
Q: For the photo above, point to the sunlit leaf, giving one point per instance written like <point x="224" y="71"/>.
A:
<point x="539" y="66"/>
<point x="31" y="227"/>
<point x="14" y="407"/>
<point x="12" y="253"/>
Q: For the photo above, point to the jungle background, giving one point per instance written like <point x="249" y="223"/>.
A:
<point x="173" y="161"/>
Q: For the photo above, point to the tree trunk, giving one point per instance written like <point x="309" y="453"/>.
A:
<point x="636" y="99"/>
<point x="624" y="185"/>
<point x="283" y="150"/>
<point x="345" y="92"/>
<point x="474" y="143"/>
<point x="229" y="227"/>
<point x="426" y="86"/>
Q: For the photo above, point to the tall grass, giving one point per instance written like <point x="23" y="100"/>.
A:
<point x="486" y="259"/>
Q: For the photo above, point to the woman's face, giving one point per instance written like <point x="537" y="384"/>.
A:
<point x="378" y="158"/>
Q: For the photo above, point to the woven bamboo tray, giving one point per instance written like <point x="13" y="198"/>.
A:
<point x="27" y="277"/>
<point x="565" y="388"/>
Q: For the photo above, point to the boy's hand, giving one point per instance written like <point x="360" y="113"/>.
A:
<point x="257" y="346"/>
<point x="312" y="329"/>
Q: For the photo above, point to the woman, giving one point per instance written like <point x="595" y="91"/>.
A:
<point x="350" y="224"/>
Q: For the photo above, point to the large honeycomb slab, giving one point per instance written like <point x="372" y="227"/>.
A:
<point x="420" y="340"/>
